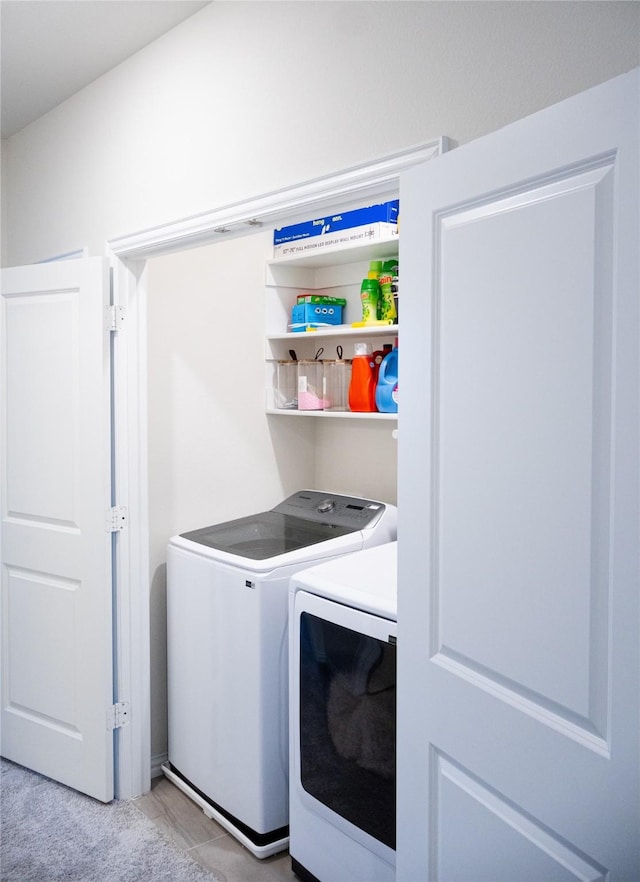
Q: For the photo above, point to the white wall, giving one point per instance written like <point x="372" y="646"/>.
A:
<point x="247" y="97"/>
<point x="213" y="452"/>
<point x="241" y="99"/>
<point x="213" y="455"/>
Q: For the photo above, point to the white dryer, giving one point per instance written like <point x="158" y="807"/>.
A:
<point x="342" y="692"/>
<point x="227" y="591"/>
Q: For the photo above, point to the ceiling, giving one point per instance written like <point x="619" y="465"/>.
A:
<point x="50" y="49"/>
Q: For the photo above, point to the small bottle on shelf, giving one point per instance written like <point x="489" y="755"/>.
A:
<point x="369" y="296"/>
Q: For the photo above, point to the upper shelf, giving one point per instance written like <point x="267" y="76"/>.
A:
<point x="333" y="268"/>
<point x="343" y="254"/>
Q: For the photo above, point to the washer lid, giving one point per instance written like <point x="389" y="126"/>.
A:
<point x="265" y="535"/>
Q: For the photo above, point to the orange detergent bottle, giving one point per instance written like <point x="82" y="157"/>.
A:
<point x="362" y="388"/>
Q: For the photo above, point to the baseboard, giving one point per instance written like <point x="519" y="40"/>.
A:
<point x="156" y="764"/>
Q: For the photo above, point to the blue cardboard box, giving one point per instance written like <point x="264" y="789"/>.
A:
<point x="315" y="315"/>
<point x="359" y="226"/>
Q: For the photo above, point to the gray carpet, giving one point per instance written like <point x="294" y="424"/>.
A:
<point x="51" y="833"/>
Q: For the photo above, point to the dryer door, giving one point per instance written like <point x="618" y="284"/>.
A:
<point x="344" y="700"/>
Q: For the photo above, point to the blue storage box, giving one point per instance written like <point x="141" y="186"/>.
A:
<point x="315" y="315"/>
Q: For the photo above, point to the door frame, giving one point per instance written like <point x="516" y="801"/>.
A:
<point x="128" y="255"/>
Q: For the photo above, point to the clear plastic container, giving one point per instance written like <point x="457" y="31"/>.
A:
<point x="287" y="385"/>
<point x="310" y="382"/>
<point x="337" y="376"/>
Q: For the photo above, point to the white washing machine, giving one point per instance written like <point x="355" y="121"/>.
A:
<point x="227" y="591"/>
<point x="342" y="693"/>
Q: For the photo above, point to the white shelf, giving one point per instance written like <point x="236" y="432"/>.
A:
<point x="338" y="331"/>
<point x="338" y="272"/>
<point x="341" y="255"/>
<point x="333" y="414"/>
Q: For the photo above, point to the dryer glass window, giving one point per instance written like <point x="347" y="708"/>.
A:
<point x="348" y="724"/>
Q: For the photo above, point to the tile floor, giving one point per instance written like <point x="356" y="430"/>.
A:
<point x="186" y="825"/>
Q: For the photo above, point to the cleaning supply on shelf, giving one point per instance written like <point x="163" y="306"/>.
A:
<point x="386" y="303"/>
<point x="287" y="384"/>
<point x="369" y="295"/>
<point x="305" y="314"/>
<point x="386" y="395"/>
<point x="335" y="388"/>
<point x="369" y="324"/>
<point x="362" y="389"/>
<point x="323" y="299"/>
<point x="310" y="382"/>
<point x="377" y="356"/>
<point x="391" y="268"/>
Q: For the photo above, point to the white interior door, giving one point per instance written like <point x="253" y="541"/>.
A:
<point x="518" y="685"/>
<point x="56" y="551"/>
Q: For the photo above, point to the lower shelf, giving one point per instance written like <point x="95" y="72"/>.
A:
<point x="333" y="414"/>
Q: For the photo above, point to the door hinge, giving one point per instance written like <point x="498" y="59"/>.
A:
<point x="118" y="715"/>
<point x="116" y="519"/>
<point x="114" y="317"/>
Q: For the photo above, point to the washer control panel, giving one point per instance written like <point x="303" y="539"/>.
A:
<point x="332" y="508"/>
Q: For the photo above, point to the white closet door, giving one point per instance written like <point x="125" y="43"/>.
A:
<point x="518" y="666"/>
<point x="56" y="552"/>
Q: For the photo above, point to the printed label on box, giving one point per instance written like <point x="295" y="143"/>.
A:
<point x="362" y="225"/>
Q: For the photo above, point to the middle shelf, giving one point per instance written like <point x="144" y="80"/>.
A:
<point x="306" y="338"/>
<point x="365" y="332"/>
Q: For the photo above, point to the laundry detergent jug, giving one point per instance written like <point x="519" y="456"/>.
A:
<point x="362" y="387"/>
<point x="387" y="386"/>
